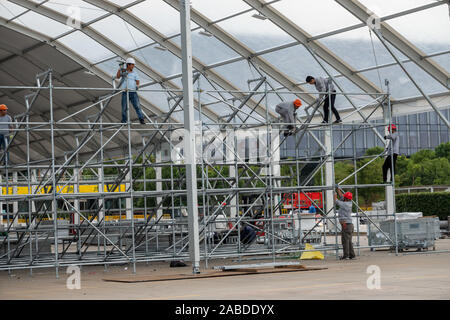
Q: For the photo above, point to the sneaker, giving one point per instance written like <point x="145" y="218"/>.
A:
<point x="142" y="121"/>
<point x="324" y="121"/>
<point x="338" y="121"/>
<point x="344" y="258"/>
<point x="351" y="258"/>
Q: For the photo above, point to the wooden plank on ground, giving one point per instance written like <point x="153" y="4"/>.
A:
<point x="209" y="274"/>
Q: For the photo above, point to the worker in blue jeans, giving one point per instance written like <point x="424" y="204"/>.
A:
<point x="130" y="80"/>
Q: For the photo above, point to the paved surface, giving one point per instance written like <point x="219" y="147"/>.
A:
<point x="415" y="276"/>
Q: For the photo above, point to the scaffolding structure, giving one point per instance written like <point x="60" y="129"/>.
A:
<point x="85" y="208"/>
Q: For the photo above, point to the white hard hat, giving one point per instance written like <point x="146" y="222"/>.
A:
<point x="131" y="60"/>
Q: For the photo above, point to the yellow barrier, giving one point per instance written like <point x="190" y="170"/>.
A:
<point x="107" y="218"/>
<point x="67" y="189"/>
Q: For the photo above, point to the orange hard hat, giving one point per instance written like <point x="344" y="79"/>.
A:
<point x="348" y="195"/>
<point x="297" y="103"/>
<point x="3" y="107"/>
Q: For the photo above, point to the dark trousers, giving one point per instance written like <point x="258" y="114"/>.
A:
<point x="326" y="107"/>
<point x="4" y="141"/>
<point x="134" y="99"/>
<point x="387" y="165"/>
<point x="347" y="244"/>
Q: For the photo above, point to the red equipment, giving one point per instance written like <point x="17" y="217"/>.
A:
<point x="292" y="200"/>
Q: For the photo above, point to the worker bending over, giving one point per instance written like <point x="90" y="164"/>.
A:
<point x="391" y="156"/>
<point x="323" y="85"/>
<point x="287" y="110"/>
<point x="345" y="219"/>
<point x="130" y="81"/>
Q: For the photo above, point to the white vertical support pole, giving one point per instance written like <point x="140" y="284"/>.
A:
<point x="101" y="188"/>
<point x="15" y="203"/>
<point x="189" y="125"/>
<point x="158" y="171"/>
<point x="33" y="191"/>
<point x="329" y="194"/>
<point x="389" y="188"/>
<point x="54" y="191"/>
<point x="230" y="158"/>
<point x="128" y="198"/>
<point x="76" y="187"/>
<point x="275" y="163"/>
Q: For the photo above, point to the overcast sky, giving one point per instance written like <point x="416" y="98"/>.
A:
<point x="321" y="16"/>
<point x="314" y="16"/>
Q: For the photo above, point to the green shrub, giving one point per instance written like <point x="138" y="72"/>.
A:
<point x="430" y="204"/>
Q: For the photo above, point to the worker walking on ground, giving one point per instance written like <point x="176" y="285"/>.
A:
<point x="130" y="81"/>
<point x="323" y="85"/>
<point x="5" y="128"/>
<point x="287" y="110"/>
<point x="345" y="219"/>
<point x="391" y="158"/>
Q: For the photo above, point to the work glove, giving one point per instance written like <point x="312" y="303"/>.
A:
<point x="344" y="225"/>
<point x="11" y="136"/>
<point x="385" y="137"/>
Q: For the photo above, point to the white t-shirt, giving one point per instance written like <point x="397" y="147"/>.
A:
<point x="130" y="81"/>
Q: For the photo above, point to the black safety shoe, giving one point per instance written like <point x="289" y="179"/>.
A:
<point x="142" y="121"/>
<point x="338" y="121"/>
<point x="177" y="264"/>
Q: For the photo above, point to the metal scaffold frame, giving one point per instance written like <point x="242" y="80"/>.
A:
<point x="235" y="190"/>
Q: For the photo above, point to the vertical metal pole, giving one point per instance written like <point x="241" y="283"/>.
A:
<point x="392" y="186"/>
<point x="29" y="190"/>
<point x="356" y="189"/>
<point x="189" y="125"/>
<point x="204" y="183"/>
<point x="130" y="174"/>
<point x="329" y="170"/>
<point x="101" y="175"/>
<point x="144" y="156"/>
<point x="54" y="203"/>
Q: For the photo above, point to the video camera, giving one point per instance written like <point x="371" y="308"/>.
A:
<point x="123" y="68"/>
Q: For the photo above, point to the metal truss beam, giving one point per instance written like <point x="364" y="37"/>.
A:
<point x="173" y="48"/>
<point x="398" y="41"/>
<point x="105" y="42"/>
<point x="303" y="37"/>
<point x="75" y="57"/>
<point x="244" y="51"/>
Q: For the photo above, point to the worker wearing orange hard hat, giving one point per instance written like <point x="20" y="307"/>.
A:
<point x="5" y="126"/>
<point x="393" y="151"/>
<point x="287" y="111"/>
<point x="345" y="219"/>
